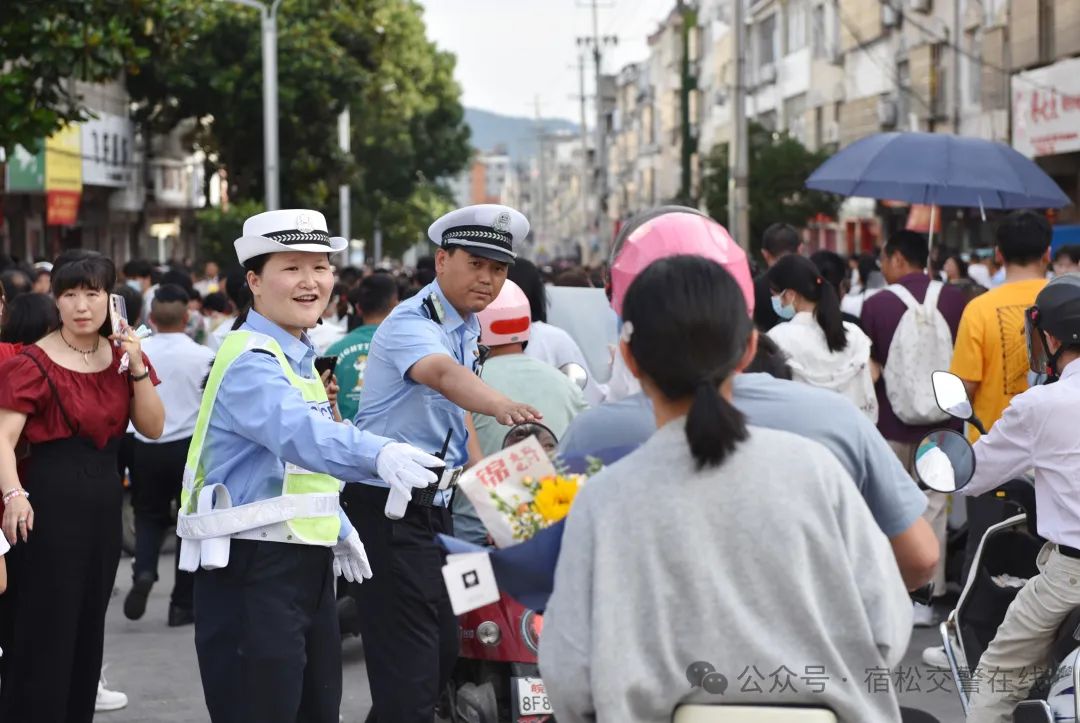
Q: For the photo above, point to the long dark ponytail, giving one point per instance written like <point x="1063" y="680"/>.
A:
<point x="689" y="328"/>
<point x="800" y="275"/>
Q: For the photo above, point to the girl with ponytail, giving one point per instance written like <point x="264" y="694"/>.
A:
<point x="714" y="546"/>
<point x="822" y="349"/>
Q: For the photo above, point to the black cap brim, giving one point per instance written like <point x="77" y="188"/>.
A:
<point x="487" y="253"/>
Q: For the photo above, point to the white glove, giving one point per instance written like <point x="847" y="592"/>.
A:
<point x="402" y="466"/>
<point x="350" y="559"/>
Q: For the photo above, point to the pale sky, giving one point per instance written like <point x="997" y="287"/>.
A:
<point x="511" y="52"/>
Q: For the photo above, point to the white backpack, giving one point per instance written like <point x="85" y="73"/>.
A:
<point x="922" y="345"/>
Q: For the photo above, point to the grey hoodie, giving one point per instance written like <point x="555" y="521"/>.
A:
<point x="769" y="568"/>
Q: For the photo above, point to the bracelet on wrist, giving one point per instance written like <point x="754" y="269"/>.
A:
<point x="17" y="492"/>
<point x="140" y="377"/>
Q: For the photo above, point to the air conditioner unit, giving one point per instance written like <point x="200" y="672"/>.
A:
<point x="887" y="113"/>
<point x="767" y="74"/>
<point x="890" y="16"/>
<point x="922" y="6"/>
<point x="832" y="132"/>
<point x="720" y="97"/>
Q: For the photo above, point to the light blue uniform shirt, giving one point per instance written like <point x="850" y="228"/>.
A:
<point x="818" y="414"/>
<point x="397" y="407"/>
<point x="260" y="421"/>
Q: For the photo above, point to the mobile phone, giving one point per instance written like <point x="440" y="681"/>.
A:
<point x="117" y="313"/>
<point x="325" y="363"/>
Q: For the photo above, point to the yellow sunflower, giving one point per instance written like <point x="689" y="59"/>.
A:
<point x="555" y="496"/>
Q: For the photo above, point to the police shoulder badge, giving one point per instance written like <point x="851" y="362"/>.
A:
<point x="502" y="222"/>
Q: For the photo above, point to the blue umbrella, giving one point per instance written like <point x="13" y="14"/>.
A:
<point x="938" y="169"/>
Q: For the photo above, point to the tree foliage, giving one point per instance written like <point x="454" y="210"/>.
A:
<point x="219" y="227"/>
<point x="371" y="56"/>
<point x="44" y="44"/>
<point x="779" y="167"/>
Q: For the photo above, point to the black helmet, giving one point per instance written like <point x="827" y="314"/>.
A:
<point x="1056" y="312"/>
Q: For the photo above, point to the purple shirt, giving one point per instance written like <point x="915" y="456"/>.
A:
<point x="881" y="315"/>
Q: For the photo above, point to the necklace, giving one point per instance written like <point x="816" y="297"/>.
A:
<point x="85" y="354"/>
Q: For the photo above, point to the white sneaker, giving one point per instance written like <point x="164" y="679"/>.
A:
<point x="935" y="657"/>
<point x="109" y="699"/>
<point x="923" y="615"/>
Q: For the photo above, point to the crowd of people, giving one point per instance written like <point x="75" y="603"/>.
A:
<point x="724" y="388"/>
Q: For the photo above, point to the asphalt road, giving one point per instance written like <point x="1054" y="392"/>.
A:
<point x="157" y="668"/>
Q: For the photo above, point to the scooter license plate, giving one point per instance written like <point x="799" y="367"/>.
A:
<point x="532" y="700"/>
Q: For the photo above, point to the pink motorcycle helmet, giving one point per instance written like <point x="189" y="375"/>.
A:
<point x="507" y="319"/>
<point x="672" y="231"/>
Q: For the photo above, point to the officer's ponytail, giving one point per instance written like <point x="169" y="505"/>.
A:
<point x="688" y="328"/>
<point x="255" y="264"/>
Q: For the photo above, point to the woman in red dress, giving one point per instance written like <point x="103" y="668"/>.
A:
<point x="69" y="398"/>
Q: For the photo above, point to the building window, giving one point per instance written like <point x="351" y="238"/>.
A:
<point x="766" y="41"/>
<point x="796" y="25"/>
<point x="817" y="32"/>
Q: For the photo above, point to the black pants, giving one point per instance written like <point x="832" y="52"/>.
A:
<point x="266" y="633"/>
<point x="157" y="476"/>
<point x="410" y="632"/>
<point x="52" y="619"/>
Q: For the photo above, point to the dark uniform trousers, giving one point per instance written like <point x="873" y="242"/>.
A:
<point x="266" y="633"/>
<point x="409" y="630"/>
<point x="157" y="476"/>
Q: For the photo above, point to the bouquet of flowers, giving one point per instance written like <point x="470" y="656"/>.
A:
<point x="518" y="492"/>
<point x="550" y="500"/>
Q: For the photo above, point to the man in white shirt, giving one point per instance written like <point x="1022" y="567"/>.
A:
<point x="1037" y="430"/>
<point x="157" y="471"/>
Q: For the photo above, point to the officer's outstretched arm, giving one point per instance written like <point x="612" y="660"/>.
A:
<point x="468" y="391"/>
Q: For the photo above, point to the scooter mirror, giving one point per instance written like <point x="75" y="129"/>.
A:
<point x="944" y="461"/>
<point x="576" y="373"/>
<point x="951" y="396"/>
<point x="520" y="432"/>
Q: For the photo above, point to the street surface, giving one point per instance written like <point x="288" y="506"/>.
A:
<point x="156" y="666"/>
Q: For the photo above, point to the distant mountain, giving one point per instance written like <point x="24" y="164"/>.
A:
<point x="516" y="135"/>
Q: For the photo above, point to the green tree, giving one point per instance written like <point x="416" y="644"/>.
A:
<point x="779" y="167"/>
<point x="44" y="44"/>
<point x="218" y="228"/>
<point x="371" y="56"/>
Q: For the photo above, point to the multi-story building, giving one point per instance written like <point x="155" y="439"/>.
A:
<point x="1044" y="45"/>
<point x="486" y="180"/>
<point x="93" y="185"/>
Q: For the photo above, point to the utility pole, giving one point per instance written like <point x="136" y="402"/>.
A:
<point x="596" y="42"/>
<point x="270" y="98"/>
<point x="541" y="196"/>
<point x="586" y="222"/>
<point x="688" y="18"/>
<point x="344" y="142"/>
<point x="738" y="161"/>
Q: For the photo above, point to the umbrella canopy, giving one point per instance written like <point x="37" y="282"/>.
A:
<point x="938" y="169"/>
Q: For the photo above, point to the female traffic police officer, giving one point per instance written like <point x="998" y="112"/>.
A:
<point x="418" y="383"/>
<point x="261" y="524"/>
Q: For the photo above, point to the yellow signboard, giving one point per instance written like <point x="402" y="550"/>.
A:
<point x="63" y="160"/>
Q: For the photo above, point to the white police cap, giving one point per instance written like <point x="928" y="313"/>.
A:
<point x="295" y="229"/>
<point x="489" y="230"/>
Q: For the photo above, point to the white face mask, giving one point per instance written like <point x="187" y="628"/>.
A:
<point x="133" y="283"/>
<point x="784" y="311"/>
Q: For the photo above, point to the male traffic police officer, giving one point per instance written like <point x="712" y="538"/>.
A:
<point x="260" y="520"/>
<point x="420" y="380"/>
